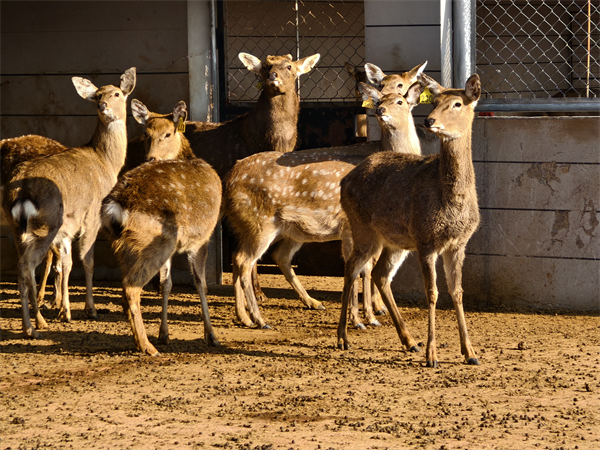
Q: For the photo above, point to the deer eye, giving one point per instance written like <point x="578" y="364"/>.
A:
<point x="400" y="85"/>
<point x="289" y="67"/>
<point x="457" y="104"/>
<point x="168" y="135"/>
<point x="399" y="102"/>
<point x="116" y="94"/>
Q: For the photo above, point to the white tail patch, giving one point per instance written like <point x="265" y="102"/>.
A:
<point x="112" y="211"/>
<point x="24" y="210"/>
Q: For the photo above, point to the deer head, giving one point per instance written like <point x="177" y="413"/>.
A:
<point x="162" y="138"/>
<point x="392" y="108"/>
<point x="396" y="83"/>
<point x="111" y="101"/>
<point x="279" y="73"/>
<point x="453" y="109"/>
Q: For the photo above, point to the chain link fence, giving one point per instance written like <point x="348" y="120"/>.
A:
<point x="335" y="29"/>
<point x="538" y="48"/>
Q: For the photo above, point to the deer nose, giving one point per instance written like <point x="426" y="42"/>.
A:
<point x="380" y="111"/>
<point x="273" y="76"/>
<point x="150" y="158"/>
<point x="102" y="106"/>
<point x="429" y="122"/>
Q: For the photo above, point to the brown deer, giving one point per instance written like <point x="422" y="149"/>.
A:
<point x="396" y="83"/>
<point x="271" y="126"/>
<point x="14" y="151"/>
<point x="54" y="199"/>
<point x="294" y="198"/>
<point x="401" y="203"/>
<point x="158" y="209"/>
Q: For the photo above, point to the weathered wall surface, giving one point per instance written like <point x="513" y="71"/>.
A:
<point x="538" y="246"/>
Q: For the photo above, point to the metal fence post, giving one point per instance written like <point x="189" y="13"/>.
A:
<point x="463" y="12"/>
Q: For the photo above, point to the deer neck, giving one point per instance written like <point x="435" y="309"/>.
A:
<point x="272" y="125"/>
<point x="110" y="141"/>
<point x="402" y="139"/>
<point x="185" y="150"/>
<point x="457" y="174"/>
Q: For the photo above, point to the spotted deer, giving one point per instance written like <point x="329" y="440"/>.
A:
<point x="54" y="199"/>
<point x="156" y="210"/>
<point x="294" y="198"/>
<point x="396" y="203"/>
<point x="271" y="126"/>
<point x="14" y="151"/>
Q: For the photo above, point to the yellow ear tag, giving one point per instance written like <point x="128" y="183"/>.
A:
<point x="181" y="126"/>
<point x="259" y="86"/>
<point x="426" y="96"/>
<point x="369" y="104"/>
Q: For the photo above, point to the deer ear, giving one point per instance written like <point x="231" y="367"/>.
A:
<point x="85" y="88"/>
<point x="367" y="92"/>
<point x="140" y="112"/>
<point x="305" y="65"/>
<point x="179" y="112"/>
<point x="128" y="81"/>
<point x="428" y="82"/>
<point x="252" y="63"/>
<point x="416" y="71"/>
<point x="413" y="94"/>
<point x="473" y="89"/>
<point x="374" y="74"/>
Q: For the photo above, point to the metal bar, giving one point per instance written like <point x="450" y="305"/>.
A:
<point x="540" y="105"/>
<point x="463" y="14"/>
<point x="214" y="67"/>
<point x="446" y="43"/>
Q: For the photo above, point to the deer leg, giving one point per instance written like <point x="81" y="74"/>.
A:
<point x="30" y="259"/>
<point x="282" y="255"/>
<point x="198" y="265"/>
<point x="453" y="262"/>
<point x="388" y="264"/>
<point x="57" y="277"/>
<point x="64" y="247"/>
<point x="166" y="284"/>
<point x="368" y="295"/>
<point x="360" y="255"/>
<point x="245" y="258"/>
<point x="354" y="312"/>
<point x="258" y="292"/>
<point x="427" y="261"/>
<point x="132" y="297"/>
<point x="86" y="245"/>
<point x="240" y="298"/>
<point x="42" y="286"/>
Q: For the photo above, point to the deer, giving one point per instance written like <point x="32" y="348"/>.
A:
<point x="293" y="198"/>
<point x="396" y="203"/>
<point x="271" y="126"/>
<point x="14" y="151"/>
<point x="54" y="199"/>
<point x="156" y="210"/>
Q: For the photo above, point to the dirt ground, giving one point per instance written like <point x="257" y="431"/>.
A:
<point x="84" y="386"/>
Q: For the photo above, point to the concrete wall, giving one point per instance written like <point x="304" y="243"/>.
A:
<point x="538" y="181"/>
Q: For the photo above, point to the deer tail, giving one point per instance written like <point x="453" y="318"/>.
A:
<point x="114" y="218"/>
<point x="22" y="211"/>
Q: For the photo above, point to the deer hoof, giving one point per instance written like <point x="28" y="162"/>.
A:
<point x="343" y="346"/>
<point x="212" y="340"/>
<point x="473" y="361"/>
<point x="433" y="364"/>
<point x="91" y="314"/>
<point x="415" y="349"/>
<point x="152" y="353"/>
<point x="163" y="339"/>
<point x="360" y="326"/>
<point x="32" y="333"/>
<point x="375" y="323"/>
<point x="62" y="317"/>
<point x="266" y="326"/>
<point x="321" y="307"/>
<point x="381" y="312"/>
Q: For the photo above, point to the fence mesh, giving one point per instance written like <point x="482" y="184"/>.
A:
<point x="335" y="29"/>
<point x="538" y="48"/>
